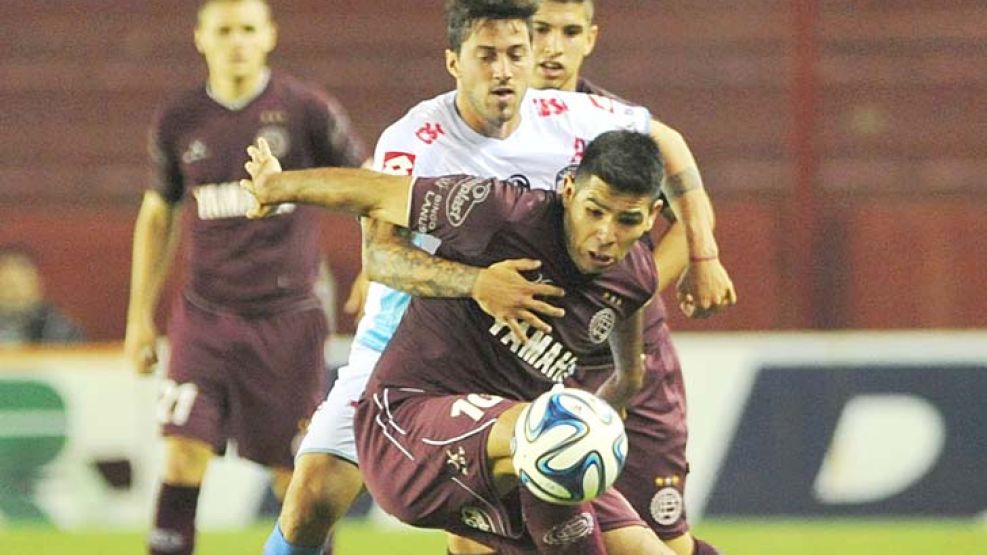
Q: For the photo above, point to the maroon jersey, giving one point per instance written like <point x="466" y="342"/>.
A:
<point x="448" y="346"/>
<point x="198" y="148"/>
<point x="655" y="313"/>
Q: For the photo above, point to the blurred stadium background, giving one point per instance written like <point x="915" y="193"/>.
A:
<point x="838" y="408"/>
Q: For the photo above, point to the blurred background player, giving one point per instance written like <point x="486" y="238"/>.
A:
<point x="26" y="315"/>
<point x="247" y="334"/>
<point x="655" y="476"/>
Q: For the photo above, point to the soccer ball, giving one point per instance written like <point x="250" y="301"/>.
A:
<point x="569" y="446"/>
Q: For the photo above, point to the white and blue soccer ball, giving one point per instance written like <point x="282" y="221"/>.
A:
<point x="569" y="446"/>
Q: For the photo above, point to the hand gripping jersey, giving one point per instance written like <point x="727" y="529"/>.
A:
<point x="432" y="139"/>
<point x="449" y="346"/>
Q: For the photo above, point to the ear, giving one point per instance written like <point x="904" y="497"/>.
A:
<point x="272" y="38"/>
<point x="594" y="31"/>
<point x="197" y="37"/>
<point x="452" y="64"/>
<point x="655" y="210"/>
<point x="568" y="189"/>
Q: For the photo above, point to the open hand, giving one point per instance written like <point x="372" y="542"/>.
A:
<point x="261" y="166"/>
<point x="502" y="292"/>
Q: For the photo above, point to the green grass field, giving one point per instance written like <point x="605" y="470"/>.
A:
<point x="735" y="537"/>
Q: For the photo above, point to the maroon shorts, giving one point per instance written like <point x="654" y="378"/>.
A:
<point x="653" y="480"/>
<point x="252" y="380"/>
<point x="423" y="458"/>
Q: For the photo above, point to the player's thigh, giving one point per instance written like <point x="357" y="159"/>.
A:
<point x="280" y="378"/>
<point x="634" y="540"/>
<point x="435" y="446"/>
<point x="458" y="545"/>
<point x="330" y="430"/>
<point x="193" y="395"/>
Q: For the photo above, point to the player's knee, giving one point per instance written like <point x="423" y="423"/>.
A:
<point x="632" y="540"/>
<point x="703" y="548"/>
<point x="186" y="460"/>
<point x="458" y="545"/>
<point x="321" y="490"/>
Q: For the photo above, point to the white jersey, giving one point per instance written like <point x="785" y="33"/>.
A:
<point x="432" y="139"/>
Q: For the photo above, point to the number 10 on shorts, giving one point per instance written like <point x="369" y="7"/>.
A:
<point x="473" y="405"/>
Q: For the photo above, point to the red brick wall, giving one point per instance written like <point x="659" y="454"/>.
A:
<point x="891" y="142"/>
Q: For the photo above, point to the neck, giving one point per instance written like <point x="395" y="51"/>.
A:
<point x="496" y="130"/>
<point x="232" y="90"/>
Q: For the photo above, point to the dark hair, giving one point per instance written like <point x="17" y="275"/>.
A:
<point x="627" y="161"/>
<point x="462" y="14"/>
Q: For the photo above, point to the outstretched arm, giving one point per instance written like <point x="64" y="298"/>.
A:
<point x="705" y="286"/>
<point x="354" y="191"/>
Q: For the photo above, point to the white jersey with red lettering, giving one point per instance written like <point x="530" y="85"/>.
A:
<point x="432" y="140"/>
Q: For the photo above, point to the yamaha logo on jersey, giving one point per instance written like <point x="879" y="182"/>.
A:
<point x="601" y="325"/>
<point x="519" y="180"/>
<point x="277" y="137"/>
<point x="464" y="195"/>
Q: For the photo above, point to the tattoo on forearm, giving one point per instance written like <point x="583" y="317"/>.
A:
<point x="681" y="183"/>
<point x="412" y="270"/>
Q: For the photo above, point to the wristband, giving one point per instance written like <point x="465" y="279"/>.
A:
<point x="703" y="258"/>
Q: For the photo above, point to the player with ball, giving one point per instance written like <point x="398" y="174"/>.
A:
<point x="446" y="431"/>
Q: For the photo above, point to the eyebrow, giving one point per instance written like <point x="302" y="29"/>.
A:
<point x="636" y="214"/>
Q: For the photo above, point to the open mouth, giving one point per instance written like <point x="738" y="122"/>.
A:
<point x="551" y="69"/>
<point x="503" y="93"/>
<point x="600" y="259"/>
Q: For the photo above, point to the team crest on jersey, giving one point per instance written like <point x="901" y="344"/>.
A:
<point x="464" y="195"/>
<point x="277" y="137"/>
<point x="666" y="506"/>
<point x="475" y="517"/>
<point x="602" y="324"/>
<point x="398" y="163"/>
<point x="519" y="180"/>
<point x="196" y="151"/>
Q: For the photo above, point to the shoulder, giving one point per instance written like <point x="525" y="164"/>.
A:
<point x="411" y="136"/>
<point x="303" y="91"/>
<point x="179" y="111"/>
<point x="640" y="272"/>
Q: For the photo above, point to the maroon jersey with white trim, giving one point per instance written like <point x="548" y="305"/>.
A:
<point x="198" y="148"/>
<point x="449" y="346"/>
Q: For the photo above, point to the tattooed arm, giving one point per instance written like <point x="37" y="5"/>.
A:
<point x="500" y="289"/>
<point x="704" y="286"/>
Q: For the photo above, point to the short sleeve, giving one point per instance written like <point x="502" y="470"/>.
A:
<point x="166" y="171"/>
<point x="336" y="142"/>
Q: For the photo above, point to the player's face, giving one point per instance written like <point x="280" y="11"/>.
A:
<point x="20" y="286"/>
<point x="563" y="37"/>
<point x="492" y="69"/>
<point x="601" y="225"/>
<point x="235" y="38"/>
